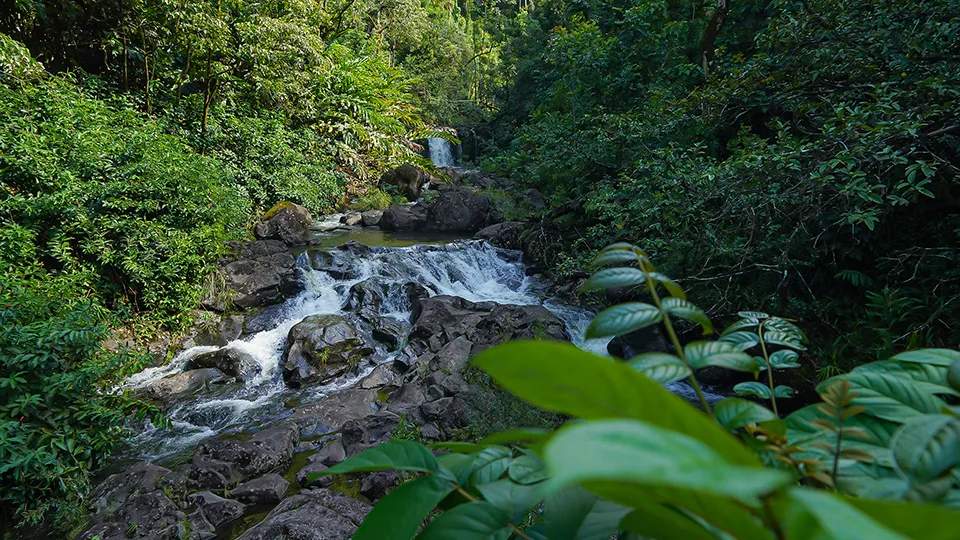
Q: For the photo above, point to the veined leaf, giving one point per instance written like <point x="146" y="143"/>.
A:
<point x="742" y="339"/>
<point x="490" y="464"/>
<point x="629" y="451"/>
<point x="576" y="514"/>
<point x="670" y="285"/>
<point x="815" y="514"/>
<point x="927" y="521"/>
<point x="514" y="499"/>
<point x="752" y="388"/>
<point x="610" y="278"/>
<point x="471" y="521"/>
<point x="783" y="391"/>
<point x="939" y="357"/>
<point x="890" y="397"/>
<point x="927" y="447"/>
<point x="656" y="521"/>
<point x="516" y="436"/>
<point x="688" y="311"/>
<point x="393" y="455"/>
<point x="398" y="515"/>
<point x="784" y="359"/>
<point x="560" y="377"/>
<point x="661" y="367"/>
<point x="775" y="337"/>
<point x="528" y="469"/>
<point x="734" y="413"/>
<point x="623" y="319"/>
<point x="614" y="256"/>
<point x="752" y="315"/>
<point x="740" y="325"/>
<point x="701" y="354"/>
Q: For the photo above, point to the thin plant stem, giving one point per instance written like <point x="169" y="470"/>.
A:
<point x="651" y="286"/>
<point x="766" y="359"/>
<point x="771" y="520"/>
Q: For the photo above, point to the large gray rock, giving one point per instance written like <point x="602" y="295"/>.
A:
<point x="371" y="218"/>
<point x="223" y="462"/>
<point x="213" y="330"/>
<point x="179" y="384"/>
<point x="306" y="478"/>
<point x="230" y="362"/>
<point x="215" y="509"/>
<point x="312" y="514"/>
<point x="269" y="488"/>
<point x="320" y="348"/>
<point x="408" y="179"/>
<point x="503" y="235"/>
<point x="264" y="274"/>
<point x="290" y="223"/>
<point x="402" y="217"/>
<point x="460" y="210"/>
<point x="132" y="504"/>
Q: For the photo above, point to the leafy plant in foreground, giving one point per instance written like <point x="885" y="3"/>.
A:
<point x="639" y="460"/>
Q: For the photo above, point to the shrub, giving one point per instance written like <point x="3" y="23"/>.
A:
<point x="642" y="461"/>
<point x="373" y="199"/>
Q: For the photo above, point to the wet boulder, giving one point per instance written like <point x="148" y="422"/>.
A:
<point x="352" y="219"/>
<point x="185" y="383"/>
<point x="131" y="504"/>
<point x="264" y="273"/>
<point x="371" y="218"/>
<point x="366" y="297"/>
<point x="306" y="478"/>
<point x="459" y="209"/>
<point x="320" y="348"/>
<point x="287" y="222"/>
<point x="504" y="235"/>
<point x="404" y="217"/>
<point x="312" y="514"/>
<point x="408" y="179"/>
<point x="269" y="488"/>
<point x="215" y="509"/>
<point x="229" y="361"/>
<point x="267" y="451"/>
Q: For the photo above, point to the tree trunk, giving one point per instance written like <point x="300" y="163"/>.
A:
<point x="708" y="44"/>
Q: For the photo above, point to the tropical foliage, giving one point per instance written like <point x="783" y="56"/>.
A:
<point x="877" y="458"/>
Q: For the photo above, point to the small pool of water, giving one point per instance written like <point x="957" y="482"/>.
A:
<point x="375" y="237"/>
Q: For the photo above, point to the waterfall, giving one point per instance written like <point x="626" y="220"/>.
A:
<point x="441" y="152"/>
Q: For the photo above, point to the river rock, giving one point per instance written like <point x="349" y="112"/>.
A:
<point x="408" y="179"/>
<point x="367" y="432"/>
<point x="333" y="411"/>
<point x="304" y="476"/>
<point x="216" y="510"/>
<point x="287" y="222"/>
<point x="229" y="361"/>
<point x="371" y="218"/>
<point x="188" y="382"/>
<point x="312" y="514"/>
<point x="264" y="274"/>
<point x="210" y="329"/>
<point x="320" y="348"/>
<point x="269" y="488"/>
<point x="351" y="220"/>
<point x="533" y="198"/>
<point x="366" y="297"/>
<point x="403" y="217"/>
<point x="375" y="485"/>
<point x="329" y="454"/>
<point x="333" y="263"/>
<point x="150" y="516"/>
<point x="504" y="235"/>
<point x="264" y="319"/>
<point x="459" y="209"/>
<point x="220" y="463"/>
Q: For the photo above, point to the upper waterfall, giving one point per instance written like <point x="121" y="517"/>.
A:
<point x="441" y="152"/>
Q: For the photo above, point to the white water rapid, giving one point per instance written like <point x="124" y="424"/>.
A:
<point x="470" y="269"/>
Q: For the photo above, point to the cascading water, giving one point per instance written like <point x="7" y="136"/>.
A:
<point x="441" y="152"/>
<point x="472" y="270"/>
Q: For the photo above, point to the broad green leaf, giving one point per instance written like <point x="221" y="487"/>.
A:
<point x="528" y="469"/>
<point x="610" y="278"/>
<point x="688" y="311"/>
<point x="623" y="319"/>
<point x="742" y="339"/>
<point x="783" y="391"/>
<point x="814" y="514"/>
<point x="393" y="455"/>
<point x="927" y="447"/>
<point x="576" y="514"/>
<point x="470" y="521"/>
<point x="516" y="436"/>
<point x="614" y="256"/>
<point x="734" y="413"/>
<point x="670" y="285"/>
<point x="913" y="520"/>
<point x="563" y="378"/>
<point x="784" y="339"/>
<point x="752" y="315"/>
<point x="784" y="326"/>
<point x="740" y="325"/>
<point x="752" y="388"/>
<point x="456" y="466"/>
<point x="490" y="464"/>
<point x="929" y="376"/>
<point x="711" y="511"/>
<point x="455" y="446"/>
<point x="514" y="499"/>
<point x="661" y="367"/>
<point x="785" y="359"/>
<point x="619" y="246"/>
<point x="890" y="397"/>
<point x="398" y="516"/>
<point x="656" y="521"/>
<point x="629" y="451"/>
<point x="939" y="357"/>
<point x="701" y="354"/>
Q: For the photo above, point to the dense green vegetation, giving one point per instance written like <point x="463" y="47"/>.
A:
<point x="641" y="461"/>
<point x="800" y="158"/>
<point x="803" y="158"/>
